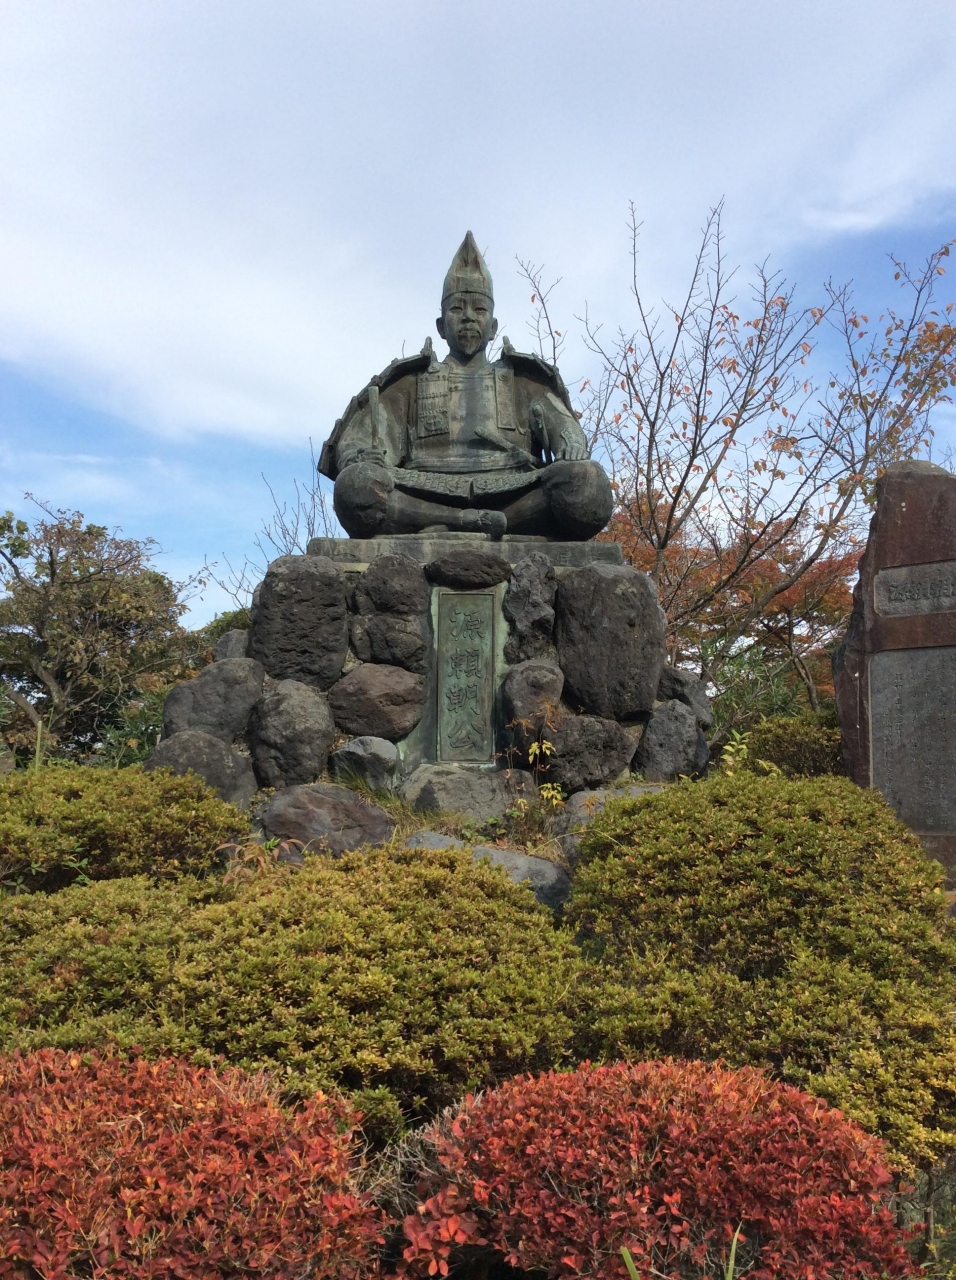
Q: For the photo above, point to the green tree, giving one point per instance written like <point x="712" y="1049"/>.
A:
<point x="86" y="625"/>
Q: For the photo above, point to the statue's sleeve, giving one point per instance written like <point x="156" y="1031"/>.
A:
<point x="388" y="436"/>
<point x="563" y="431"/>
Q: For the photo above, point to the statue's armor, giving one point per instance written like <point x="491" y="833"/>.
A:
<point x="458" y="434"/>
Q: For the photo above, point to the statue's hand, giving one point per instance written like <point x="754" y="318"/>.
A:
<point x="374" y="456"/>
<point x="572" y="451"/>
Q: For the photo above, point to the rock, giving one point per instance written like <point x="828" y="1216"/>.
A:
<point x="583" y="807"/>
<point x="609" y="634"/>
<point x="378" y="701"/>
<point x="586" y="752"/>
<point x="231" y="644"/>
<point x="481" y="793"/>
<point x="218" y="701"/>
<point x="393" y="641"/>
<point x="686" y="688"/>
<point x="529" y="608"/>
<point x="531" y="690"/>
<point x="300" y="628"/>
<point x="221" y="766"/>
<point x="324" y="817"/>
<point x="291" y="734"/>
<point x="549" y="883"/>
<point x="373" y="761"/>
<point x="672" y="745"/>
<point x="469" y="569"/>
<point x="392" y="584"/>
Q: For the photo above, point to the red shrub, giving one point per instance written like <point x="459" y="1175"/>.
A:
<point x="558" y="1171"/>
<point x="122" y="1167"/>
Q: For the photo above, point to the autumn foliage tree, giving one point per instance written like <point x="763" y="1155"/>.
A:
<point x="742" y="479"/>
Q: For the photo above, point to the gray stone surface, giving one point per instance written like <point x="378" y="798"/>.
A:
<point x="300" y="627"/>
<point x="913" y="734"/>
<point x="609" y="635"/>
<point x="373" y="761"/>
<point x="686" y="688"/>
<point x="672" y="745"/>
<point x="291" y="732"/>
<point x="482" y="794"/>
<point x="355" y="554"/>
<point x="549" y="883"/>
<point x="393" y="640"/>
<point x="231" y="644"/>
<point x="218" y="701"/>
<point x="469" y="569"/>
<point x="378" y="701"/>
<point x="588" y="752"/>
<point x="325" y="817"/>
<point x="531" y="691"/>
<point x="224" y="769"/>
<point x="529" y="608"/>
<point x="392" y="584"/>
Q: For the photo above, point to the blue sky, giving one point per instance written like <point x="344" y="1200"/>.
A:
<point x="218" y="219"/>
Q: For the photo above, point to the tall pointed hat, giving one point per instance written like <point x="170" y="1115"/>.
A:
<point x="468" y="273"/>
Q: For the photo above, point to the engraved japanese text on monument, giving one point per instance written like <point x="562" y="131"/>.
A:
<point x="465" y="676"/>
<point x="915" y="589"/>
<point x="913" y="734"/>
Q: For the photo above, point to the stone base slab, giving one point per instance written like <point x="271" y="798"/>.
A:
<point x="354" y="555"/>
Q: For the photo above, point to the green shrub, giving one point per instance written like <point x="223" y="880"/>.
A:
<point x="406" y="977"/>
<point x="63" y="823"/>
<point x="806" y="746"/>
<point x="794" y="924"/>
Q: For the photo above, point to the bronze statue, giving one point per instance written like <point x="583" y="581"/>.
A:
<point x="463" y="444"/>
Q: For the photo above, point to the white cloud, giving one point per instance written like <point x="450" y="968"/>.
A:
<point x="225" y="216"/>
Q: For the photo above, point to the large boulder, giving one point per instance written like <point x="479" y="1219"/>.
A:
<point x="469" y="569"/>
<point x="672" y="745"/>
<point x="529" y="608"/>
<point x="378" y="701"/>
<point x="482" y="794"/>
<point x="531" y="691"/>
<point x="291" y="734"/>
<point x="222" y="767"/>
<point x="549" y="883"/>
<point x="300" y="622"/>
<point x="369" y="760"/>
<point x="218" y="701"/>
<point x="686" y="688"/>
<point x="609" y="634"/>
<point x="586" y="751"/>
<point x="325" y="818"/>
<point x="392" y="584"/>
<point x="396" y="641"/>
<point x="231" y="644"/>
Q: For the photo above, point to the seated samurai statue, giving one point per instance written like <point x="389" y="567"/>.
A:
<point x="464" y="444"/>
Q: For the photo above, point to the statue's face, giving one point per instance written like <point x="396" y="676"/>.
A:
<point x="467" y="322"/>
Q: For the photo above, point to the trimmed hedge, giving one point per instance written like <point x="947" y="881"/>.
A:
<point x="65" y="823"/>
<point x="804" y="746"/>
<point x="403" y="976"/>
<point x="558" y="1173"/>
<point x="134" y="1169"/>
<point x="793" y="924"/>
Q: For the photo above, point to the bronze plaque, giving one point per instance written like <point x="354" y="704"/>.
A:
<point x="915" y="588"/>
<point x="913" y="734"/>
<point x="466" y="686"/>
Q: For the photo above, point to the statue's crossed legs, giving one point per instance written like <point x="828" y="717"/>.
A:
<point x="567" y="501"/>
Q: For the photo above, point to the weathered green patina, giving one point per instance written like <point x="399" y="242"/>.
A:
<point x="466" y="676"/>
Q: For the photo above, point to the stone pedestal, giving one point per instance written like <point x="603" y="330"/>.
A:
<point x="895" y="672"/>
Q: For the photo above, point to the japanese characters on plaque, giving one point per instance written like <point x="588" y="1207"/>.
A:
<point x="465" y="676"/>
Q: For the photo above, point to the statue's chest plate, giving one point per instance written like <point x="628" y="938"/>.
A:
<point x="467" y="408"/>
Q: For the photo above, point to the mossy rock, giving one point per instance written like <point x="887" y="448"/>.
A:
<point x="793" y="924"/>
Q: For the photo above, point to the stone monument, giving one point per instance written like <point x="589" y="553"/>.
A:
<point x="467" y="619"/>
<point x="895" y="671"/>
